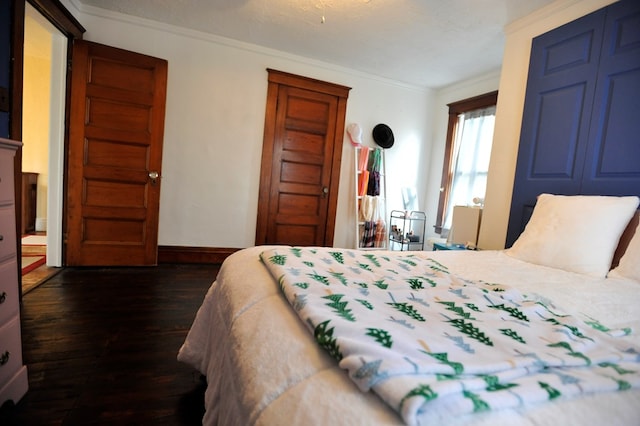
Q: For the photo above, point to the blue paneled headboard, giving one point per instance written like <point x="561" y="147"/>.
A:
<point x="581" y="122"/>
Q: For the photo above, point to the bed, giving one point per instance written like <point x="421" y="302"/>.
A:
<point x="542" y="333"/>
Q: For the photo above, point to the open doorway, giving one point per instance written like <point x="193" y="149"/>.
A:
<point x="44" y="88"/>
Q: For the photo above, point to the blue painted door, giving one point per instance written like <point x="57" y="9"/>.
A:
<point x="613" y="149"/>
<point x="579" y="134"/>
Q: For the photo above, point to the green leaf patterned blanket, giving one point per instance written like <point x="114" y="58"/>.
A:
<point x="424" y="339"/>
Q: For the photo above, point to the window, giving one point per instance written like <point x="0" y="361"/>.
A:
<point x="467" y="152"/>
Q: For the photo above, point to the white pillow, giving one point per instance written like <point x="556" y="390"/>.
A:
<point x="577" y="233"/>
<point x="629" y="266"/>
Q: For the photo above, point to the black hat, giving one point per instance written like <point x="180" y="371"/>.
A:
<point x="383" y="135"/>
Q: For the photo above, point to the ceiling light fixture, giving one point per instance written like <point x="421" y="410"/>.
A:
<point x="322" y="7"/>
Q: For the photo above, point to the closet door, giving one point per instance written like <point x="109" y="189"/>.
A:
<point x="555" y="124"/>
<point x="580" y="122"/>
<point x="301" y="157"/>
<point x="614" y="145"/>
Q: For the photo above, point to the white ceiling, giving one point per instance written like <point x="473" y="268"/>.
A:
<point x="430" y="43"/>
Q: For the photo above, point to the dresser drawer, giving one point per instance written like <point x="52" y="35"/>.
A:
<point x="9" y="304"/>
<point x="10" y="349"/>
<point x="6" y="177"/>
<point x="7" y="233"/>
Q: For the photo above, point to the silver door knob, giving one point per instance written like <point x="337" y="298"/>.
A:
<point x="154" y="177"/>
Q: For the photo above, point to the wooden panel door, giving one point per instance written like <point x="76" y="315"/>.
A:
<point x="301" y="158"/>
<point x="114" y="156"/>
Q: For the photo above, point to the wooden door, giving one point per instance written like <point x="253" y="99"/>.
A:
<point x="114" y="156"/>
<point x="302" y="150"/>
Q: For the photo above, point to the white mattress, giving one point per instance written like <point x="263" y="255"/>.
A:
<point x="263" y="366"/>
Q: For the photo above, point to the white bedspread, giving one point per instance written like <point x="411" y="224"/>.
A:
<point x="263" y="366"/>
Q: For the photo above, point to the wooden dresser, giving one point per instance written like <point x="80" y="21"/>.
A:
<point x="29" y="198"/>
<point x="13" y="374"/>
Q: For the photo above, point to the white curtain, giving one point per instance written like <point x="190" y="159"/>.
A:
<point x="471" y="152"/>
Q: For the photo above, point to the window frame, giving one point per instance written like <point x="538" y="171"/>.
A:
<point x="456" y="108"/>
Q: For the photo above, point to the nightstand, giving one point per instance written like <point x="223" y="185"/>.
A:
<point x="447" y="246"/>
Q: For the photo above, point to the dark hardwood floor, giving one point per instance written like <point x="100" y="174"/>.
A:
<point x="100" y="345"/>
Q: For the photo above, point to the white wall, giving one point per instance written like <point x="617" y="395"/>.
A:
<point x="513" y="81"/>
<point x="216" y="99"/>
<point x="35" y="98"/>
<point x="215" y="117"/>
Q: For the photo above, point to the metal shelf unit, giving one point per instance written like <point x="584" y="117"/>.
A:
<point x="407" y="230"/>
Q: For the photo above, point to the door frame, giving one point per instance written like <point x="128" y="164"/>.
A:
<point x="64" y="21"/>
<point x="56" y="112"/>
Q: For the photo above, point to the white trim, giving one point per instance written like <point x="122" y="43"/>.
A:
<point x="56" y="148"/>
<point x="552" y="9"/>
